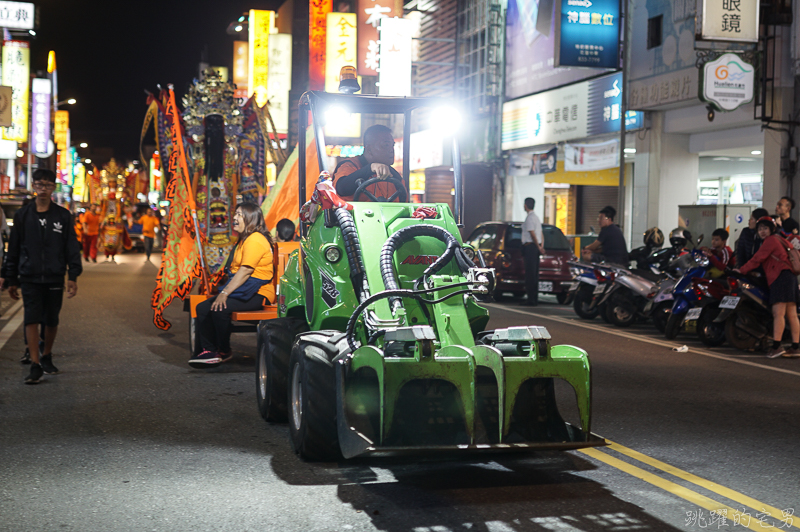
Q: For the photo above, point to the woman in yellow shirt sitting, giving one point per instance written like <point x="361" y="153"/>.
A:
<point x="249" y="287"/>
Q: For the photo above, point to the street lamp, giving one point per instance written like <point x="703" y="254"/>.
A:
<point x="83" y="145"/>
<point x="71" y="101"/>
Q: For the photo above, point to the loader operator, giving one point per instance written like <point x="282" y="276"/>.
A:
<point x="376" y="161"/>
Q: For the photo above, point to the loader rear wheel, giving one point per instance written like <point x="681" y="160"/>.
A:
<point x="312" y="395"/>
<point x="275" y="339"/>
<point x="674" y="325"/>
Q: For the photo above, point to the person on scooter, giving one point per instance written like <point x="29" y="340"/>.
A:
<point x="749" y="241"/>
<point x="719" y="255"/>
<point x="783" y="290"/>
<point x="610" y="244"/>
<point x="376" y="161"/>
<point x="678" y="240"/>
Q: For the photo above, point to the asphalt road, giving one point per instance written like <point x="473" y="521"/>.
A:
<point x="129" y="437"/>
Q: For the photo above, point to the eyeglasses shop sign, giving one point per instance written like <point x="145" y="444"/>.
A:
<point x="727" y="83"/>
<point x="730" y="20"/>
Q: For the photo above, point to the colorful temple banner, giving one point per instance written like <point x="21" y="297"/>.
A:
<point x="180" y="260"/>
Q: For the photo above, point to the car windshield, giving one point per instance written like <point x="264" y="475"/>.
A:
<point x="554" y="239"/>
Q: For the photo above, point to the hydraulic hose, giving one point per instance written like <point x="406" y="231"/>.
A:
<point x="404" y="235"/>
<point x="352" y="248"/>
<point x="401" y="292"/>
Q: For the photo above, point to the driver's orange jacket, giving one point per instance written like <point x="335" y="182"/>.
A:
<point x="346" y="190"/>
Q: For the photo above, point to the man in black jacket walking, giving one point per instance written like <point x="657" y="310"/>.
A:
<point x="43" y="245"/>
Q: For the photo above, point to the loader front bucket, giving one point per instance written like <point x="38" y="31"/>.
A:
<point x="496" y="396"/>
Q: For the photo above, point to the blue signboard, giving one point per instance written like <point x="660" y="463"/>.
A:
<point x="605" y="106"/>
<point x="589" y="34"/>
<point x="530" y="48"/>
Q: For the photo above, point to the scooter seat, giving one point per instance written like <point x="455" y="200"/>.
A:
<point x="649" y="275"/>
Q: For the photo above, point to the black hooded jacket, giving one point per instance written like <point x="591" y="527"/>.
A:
<point x="34" y="257"/>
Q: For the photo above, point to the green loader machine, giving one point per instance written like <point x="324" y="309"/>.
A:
<point x="380" y="345"/>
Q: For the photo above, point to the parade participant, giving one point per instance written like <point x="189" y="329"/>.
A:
<point x="91" y="231"/>
<point x="42" y="249"/>
<point x="285" y="230"/>
<point x="250" y="271"/>
<point x="610" y="244"/>
<point x="783" y="290"/>
<point x="532" y="250"/>
<point x="110" y="239"/>
<point x="149" y="222"/>
<point x="719" y="255"/>
<point x="749" y="241"/>
<point x="784" y="216"/>
<point x="375" y="162"/>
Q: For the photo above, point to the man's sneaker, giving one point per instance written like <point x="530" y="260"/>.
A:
<point x="47" y="364"/>
<point x="775" y="352"/>
<point x="35" y="374"/>
<point x="206" y="359"/>
<point x="224" y="357"/>
<point x="26" y="358"/>
<point x="792" y="353"/>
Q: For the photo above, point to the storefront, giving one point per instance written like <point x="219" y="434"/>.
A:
<point x="563" y="151"/>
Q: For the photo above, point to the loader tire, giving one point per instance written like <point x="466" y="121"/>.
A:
<point x="674" y="325"/>
<point x="312" y="395"/>
<point x="275" y="339"/>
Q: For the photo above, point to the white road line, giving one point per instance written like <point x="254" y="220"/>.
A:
<point x="16" y="319"/>
<point x="644" y="339"/>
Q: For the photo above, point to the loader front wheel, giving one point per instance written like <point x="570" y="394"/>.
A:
<point x="312" y="395"/>
<point x="275" y="339"/>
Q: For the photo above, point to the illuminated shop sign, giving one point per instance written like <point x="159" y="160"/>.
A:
<point x="589" y="34"/>
<point x="40" y="116"/>
<point x="16" y="74"/>
<point x="370" y="13"/>
<point x="280" y="79"/>
<point x="395" y="57"/>
<point x="317" y="41"/>
<point x="260" y="24"/>
<point x="341" y="47"/>
<point x="730" y="20"/>
<point x="17" y="15"/>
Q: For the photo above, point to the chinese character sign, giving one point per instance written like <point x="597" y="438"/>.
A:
<point x="317" y="41"/>
<point x="16" y="74"/>
<point x="17" y="15"/>
<point x="280" y="79"/>
<point x="341" y="47"/>
<point x="370" y="13"/>
<point x="240" y="68"/>
<point x="261" y="23"/>
<point x="730" y="20"/>
<point x="61" y="126"/>
<point x="40" y="116"/>
<point x="395" y="57"/>
<point x="589" y="34"/>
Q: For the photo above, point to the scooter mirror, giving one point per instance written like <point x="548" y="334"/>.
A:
<point x="700" y="239"/>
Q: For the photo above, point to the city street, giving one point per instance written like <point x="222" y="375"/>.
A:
<point x="129" y="437"/>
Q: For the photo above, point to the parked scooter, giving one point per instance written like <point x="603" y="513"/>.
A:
<point x="746" y="313"/>
<point x="591" y="281"/>
<point x="694" y="265"/>
<point x="625" y="301"/>
<point x="701" y="318"/>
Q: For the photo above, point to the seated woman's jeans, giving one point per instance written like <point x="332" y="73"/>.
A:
<point x="214" y="326"/>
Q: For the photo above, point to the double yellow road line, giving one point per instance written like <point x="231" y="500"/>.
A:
<point x="778" y="520"/>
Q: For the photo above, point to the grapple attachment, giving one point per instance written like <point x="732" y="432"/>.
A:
<point x="415" y="394"/>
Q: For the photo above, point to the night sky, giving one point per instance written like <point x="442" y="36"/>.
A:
<point x="108" y="52"/>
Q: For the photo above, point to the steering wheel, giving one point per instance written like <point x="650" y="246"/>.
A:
<point x="400" y="190"/>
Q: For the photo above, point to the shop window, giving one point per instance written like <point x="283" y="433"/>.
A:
<point x="654" y="26"/>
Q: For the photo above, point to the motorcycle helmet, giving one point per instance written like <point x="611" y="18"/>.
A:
<point x="653" y="238"/>
<point x="769" y="222"/>
<point x="678" y="238"/>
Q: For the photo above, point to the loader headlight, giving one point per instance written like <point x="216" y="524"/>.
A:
<point x="333" y="254"/>
<point x="469" y="252"/>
